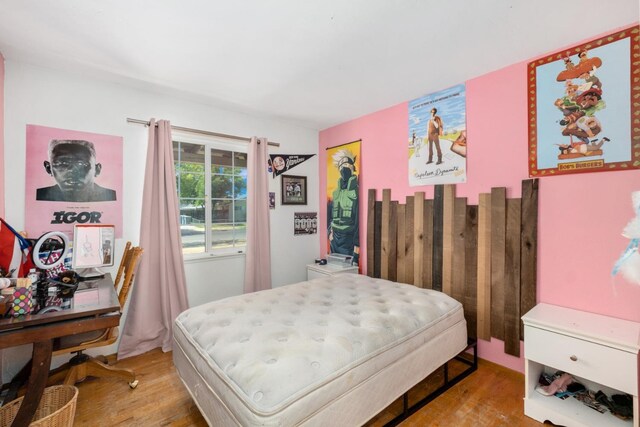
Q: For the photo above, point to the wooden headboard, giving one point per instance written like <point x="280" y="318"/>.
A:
<point x="482" y="255"/>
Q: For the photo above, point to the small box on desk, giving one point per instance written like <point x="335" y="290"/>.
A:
<point x="22" y="301"/>
<point x="340" y="260"/>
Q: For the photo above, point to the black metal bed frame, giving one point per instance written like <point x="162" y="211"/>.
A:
<point x="407" y="411"/>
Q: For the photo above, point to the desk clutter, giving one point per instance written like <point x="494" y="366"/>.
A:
<point x="42" y="275"/>
<point x="37" y="293"/>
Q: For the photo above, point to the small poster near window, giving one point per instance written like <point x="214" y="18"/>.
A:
<point x="305" y="223"/>
<point x="72" y="177"/>
<point x="272" y="200"/>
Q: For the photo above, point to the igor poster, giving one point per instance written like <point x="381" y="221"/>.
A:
<point x="72" y="178"/>
<point x="343" y="195"/>
<point x="583" y="107"/>
<point x="438" y="138"/>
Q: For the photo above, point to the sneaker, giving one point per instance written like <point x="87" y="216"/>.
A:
<point x="622" y="406"/>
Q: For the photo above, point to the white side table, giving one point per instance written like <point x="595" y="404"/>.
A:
<point x="600" y="352"/>
<point x="315" y="271"/>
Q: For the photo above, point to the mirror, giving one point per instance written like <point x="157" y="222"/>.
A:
<point x="50" y="250"/>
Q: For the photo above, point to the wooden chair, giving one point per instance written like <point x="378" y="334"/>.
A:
<point x="81" y="365"/>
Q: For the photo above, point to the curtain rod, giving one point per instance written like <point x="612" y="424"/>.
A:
<point x="346" y="143"/>
<point x="202" y="132"/>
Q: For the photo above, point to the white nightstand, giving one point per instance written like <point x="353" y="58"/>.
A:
<point x="315" y="271"/>
<point x="600" y="352"/>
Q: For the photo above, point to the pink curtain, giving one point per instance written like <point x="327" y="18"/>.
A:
<point x="1" y="143"/>
<point x="160" y="291"/>
<point x="257" y="271"/>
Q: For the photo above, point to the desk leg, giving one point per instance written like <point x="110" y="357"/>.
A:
<point x="41" y="361"/>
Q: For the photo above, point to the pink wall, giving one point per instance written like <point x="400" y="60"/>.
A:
<point x="580" y="216"/>
<point x="1" y="136"/>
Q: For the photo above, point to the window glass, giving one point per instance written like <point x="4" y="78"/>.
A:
<point x="192" y="225"/>
<point x="240" y="164"/>
<point x="222" y="235"/>
<point x="221" y="161"/>
<point x="240" y="233"/>
<point x="212" y="190"/>
<point x="185" y="153"/>
<point x="190" y="185"/>
<point x="240" y="187"/>
<point x="221" y="211"/>
<point x="240" y="211"/>
<point x="222" y="187"/>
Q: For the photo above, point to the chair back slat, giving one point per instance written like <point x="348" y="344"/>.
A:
<point x="131" y="258"/>
<point x="123" y="262"/>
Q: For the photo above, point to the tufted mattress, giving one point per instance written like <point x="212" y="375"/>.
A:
<point x="330" y="351"/>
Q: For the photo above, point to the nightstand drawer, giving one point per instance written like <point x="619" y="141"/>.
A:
<point x="605" y="365"/>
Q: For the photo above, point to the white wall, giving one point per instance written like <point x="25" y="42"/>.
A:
<point x="47" y="97"/>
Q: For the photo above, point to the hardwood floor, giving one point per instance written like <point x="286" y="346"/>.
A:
<point x="160" y="398"/>
<point x="492" y="396"/>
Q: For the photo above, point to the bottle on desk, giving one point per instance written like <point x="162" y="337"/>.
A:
<point x="34" y="277"/>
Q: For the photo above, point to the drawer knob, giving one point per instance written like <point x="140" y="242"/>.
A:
<point x="574" y="358"/>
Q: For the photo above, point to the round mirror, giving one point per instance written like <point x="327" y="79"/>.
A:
<point x="50" y="250"/>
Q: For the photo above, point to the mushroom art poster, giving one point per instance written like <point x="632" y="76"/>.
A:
<point x="584" y="113"/>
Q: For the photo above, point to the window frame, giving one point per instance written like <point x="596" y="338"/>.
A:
<point x="210" y="143"/>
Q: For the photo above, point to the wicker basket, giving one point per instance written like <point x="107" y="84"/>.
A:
<point x="57" y="408"/>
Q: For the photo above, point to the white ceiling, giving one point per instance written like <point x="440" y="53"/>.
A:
<point x="317" y="62"/>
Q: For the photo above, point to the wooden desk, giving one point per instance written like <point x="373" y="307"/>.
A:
<point x="100" y="311"/>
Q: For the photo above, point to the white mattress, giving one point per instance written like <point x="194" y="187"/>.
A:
<point x="335" y="349"/>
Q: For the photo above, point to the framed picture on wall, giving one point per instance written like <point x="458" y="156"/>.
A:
<point x="583" y="109"/>
<point x="294" y="190"/>
<point x="305" y="223"/>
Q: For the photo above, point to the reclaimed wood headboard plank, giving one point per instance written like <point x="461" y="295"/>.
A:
<point x="484" y="267"/>
<point x="410" y="231"/>
<point x="528" y="247"/>
<point x="418" y="243"/>
<point x="371" y="214"/>
<point x="512" y="279"/>
<point x="385" y="237"/>
<point x="448" y="206"/>
<point x="498" y="231"/>
<point x="438" y="206"/>
<point x="427" y="244"/>
<point x="459" y="224"/>
<point x="377" y="256"/>
<point x="402" y="244"/>
<point x="393" y="242"/>
<point x="471" y="270"/>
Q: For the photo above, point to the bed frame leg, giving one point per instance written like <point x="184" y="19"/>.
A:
<point x="405" y="404"/>
<point x="472" y="366"/>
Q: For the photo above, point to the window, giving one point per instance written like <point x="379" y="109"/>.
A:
<point x="211" y="179"/>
